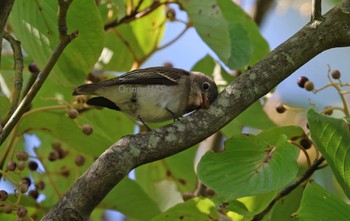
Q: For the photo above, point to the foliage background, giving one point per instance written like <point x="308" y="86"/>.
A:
<point x="160" y="185"/>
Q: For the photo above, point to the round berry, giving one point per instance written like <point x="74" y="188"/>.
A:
<point x="53" y="155"/>
<point x="22" y="155"/>
<point x="87" y="129"/>
<point x="335" y="74"/>
<point x="168" y="64"/>
<point x="32" y="165"/>
<point x="305" y="143"/>
<point x="301" y="81"/>
<point x="23" y="186"/>
<point x="22" y="211"/>
<point x="11" y="165"/>
<point x="170" y="14"/>
<point x="27" y="181"/>
<point x="309" y="86"/>
<point x="73" y="113"/>
<point x="8" y="208"/>
<point x="3" y="195"/>
<point x="209" y="192"/>
<point x="40" y="185"/>
<point x="33" y="68"/>
<point x="21" y="165"/>
<point x="34" y="193"/>
<point x="280" y="108"/>
<point x="79" y="160"/>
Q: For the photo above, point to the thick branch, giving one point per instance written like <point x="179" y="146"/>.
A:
<point x="134" y="150"/>
<point x="27" y="100"/>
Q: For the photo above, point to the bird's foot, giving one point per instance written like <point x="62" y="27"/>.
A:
<point x="175" y="115"/>
<point x="144" y="124"/>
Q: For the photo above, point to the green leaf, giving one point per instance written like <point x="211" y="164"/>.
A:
<point x="193" y="209"/>
<point x="285" y="207"/>
<point x="332" y="138"/>
<point x="4" y="106"/>
<point x="128" y="198"/>
<point x="318" y="204"/>
<point x="35" y="25"/>
<point x="132" y="41"/>
<point x="58" y="125"/>
<point x="249" y="166"/>
<point x="228" y="31"/>
<point x="179" y="169"/>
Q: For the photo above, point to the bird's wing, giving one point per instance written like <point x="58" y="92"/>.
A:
<point x="154" y="75"/>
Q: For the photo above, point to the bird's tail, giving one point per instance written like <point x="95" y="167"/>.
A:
<point x="86" y="89"/>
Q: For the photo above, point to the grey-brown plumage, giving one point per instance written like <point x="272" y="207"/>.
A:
<point x="153" y="94"/>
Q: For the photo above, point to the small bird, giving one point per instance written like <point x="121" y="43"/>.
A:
<point x="153" y="94"/>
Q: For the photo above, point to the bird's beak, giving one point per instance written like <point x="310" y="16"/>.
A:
<point x="205" y="101"/>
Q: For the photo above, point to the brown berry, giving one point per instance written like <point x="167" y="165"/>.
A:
<point x="305" y="143"/>
<point x="8" y="208"/>
<point x="40" y="185"/>
<point x="73" y="113"/>
<point x="22" y="155"/>
<point x="32" y="165"/>
<point x="81" y="99"/>
<point x="168" y="64"/>
<point x="33" y="68"/>
<point x="210" y="192"/>
<point x="301" y="81"/>
<point x="53" y="155"/>
<point x="170" y="14"/>
<point x="335" y="74"/>
<point x="27" y="180"/>
<point x="23" y="186"/>
<point x="3" y="195"/>
<point x="11" y="165"/>
<point x="22" y="211"/>
<point x="87" y="129"/>
<point x="280" y="108"/>
<point x="79" y="160"/>
<point x="34" y="193"/>
<point x="309" y="86"/>
<point x="21" y="165"/>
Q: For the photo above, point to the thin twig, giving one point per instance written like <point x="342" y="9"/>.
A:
<point x="135" y="15"/>
<point x="316" y="13"/>
<point x="64" y="40"/>
<point x="5" y="8"/>
<point x="308" y="173"/>
<point x="18" y="81"/>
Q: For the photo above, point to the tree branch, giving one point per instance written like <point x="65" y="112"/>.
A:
<point x="18" y="81"/>
<point x="308" y="173"/>
<point x="135" y="14"/>
<point x="134" y="150"/>
<point x="63" y="42"/>
<point x="316" y="14"/>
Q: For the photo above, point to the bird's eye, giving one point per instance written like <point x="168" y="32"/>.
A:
<point x="205" y="86"/>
